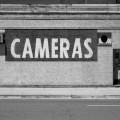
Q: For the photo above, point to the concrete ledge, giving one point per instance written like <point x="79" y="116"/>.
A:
<point x="60" y="8"/>
<point x="60" y="92"/>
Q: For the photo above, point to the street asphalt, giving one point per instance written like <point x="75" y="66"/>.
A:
<point x="59" y="109"/>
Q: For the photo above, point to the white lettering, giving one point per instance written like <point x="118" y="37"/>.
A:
<point x="27" y="49"/>
<point x="77" y="45"/>
<point x="54" y="48"/>
<point x="90" y="54"/>
<point x="40" y="49"/>
<point x="13" y="48"/>
<point x="63" y="50"/>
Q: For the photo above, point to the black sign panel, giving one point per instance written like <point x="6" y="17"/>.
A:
<point x="51" y="45"/>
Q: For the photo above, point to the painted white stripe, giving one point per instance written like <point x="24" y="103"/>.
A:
<point x="103" y="105"/>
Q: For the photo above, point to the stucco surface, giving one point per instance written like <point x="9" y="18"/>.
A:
<point x="59" y="73"/>
<point x="99" y="72"/>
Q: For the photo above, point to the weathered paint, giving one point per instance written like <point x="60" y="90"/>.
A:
<point x="51" y="45"/>
<point x="98" y="72"/>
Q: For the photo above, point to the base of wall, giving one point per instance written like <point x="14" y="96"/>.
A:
<point x="57" y="86"/>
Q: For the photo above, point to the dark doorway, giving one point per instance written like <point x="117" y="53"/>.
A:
<point x="116" y="66"/>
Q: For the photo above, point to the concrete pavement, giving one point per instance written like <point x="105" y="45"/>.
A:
<point x="99" y="92"/>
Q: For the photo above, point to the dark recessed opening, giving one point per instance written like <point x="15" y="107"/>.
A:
<point x="104" y="38"/>
<point x="117" y="1"/>
<point x="117" y="55"/>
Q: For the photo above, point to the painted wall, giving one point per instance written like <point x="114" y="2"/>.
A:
<point x="98" y="72"/>
<point x="60" y="73"/>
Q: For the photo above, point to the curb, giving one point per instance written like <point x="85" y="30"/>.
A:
<point x="71" y="93"/>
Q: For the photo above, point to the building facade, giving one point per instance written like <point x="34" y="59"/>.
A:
<point x="60" y="45"/>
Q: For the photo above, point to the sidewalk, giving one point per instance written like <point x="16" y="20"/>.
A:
<point x="60" y="93"/>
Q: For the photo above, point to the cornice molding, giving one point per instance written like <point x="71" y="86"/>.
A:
<point x="59" y="8"/>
